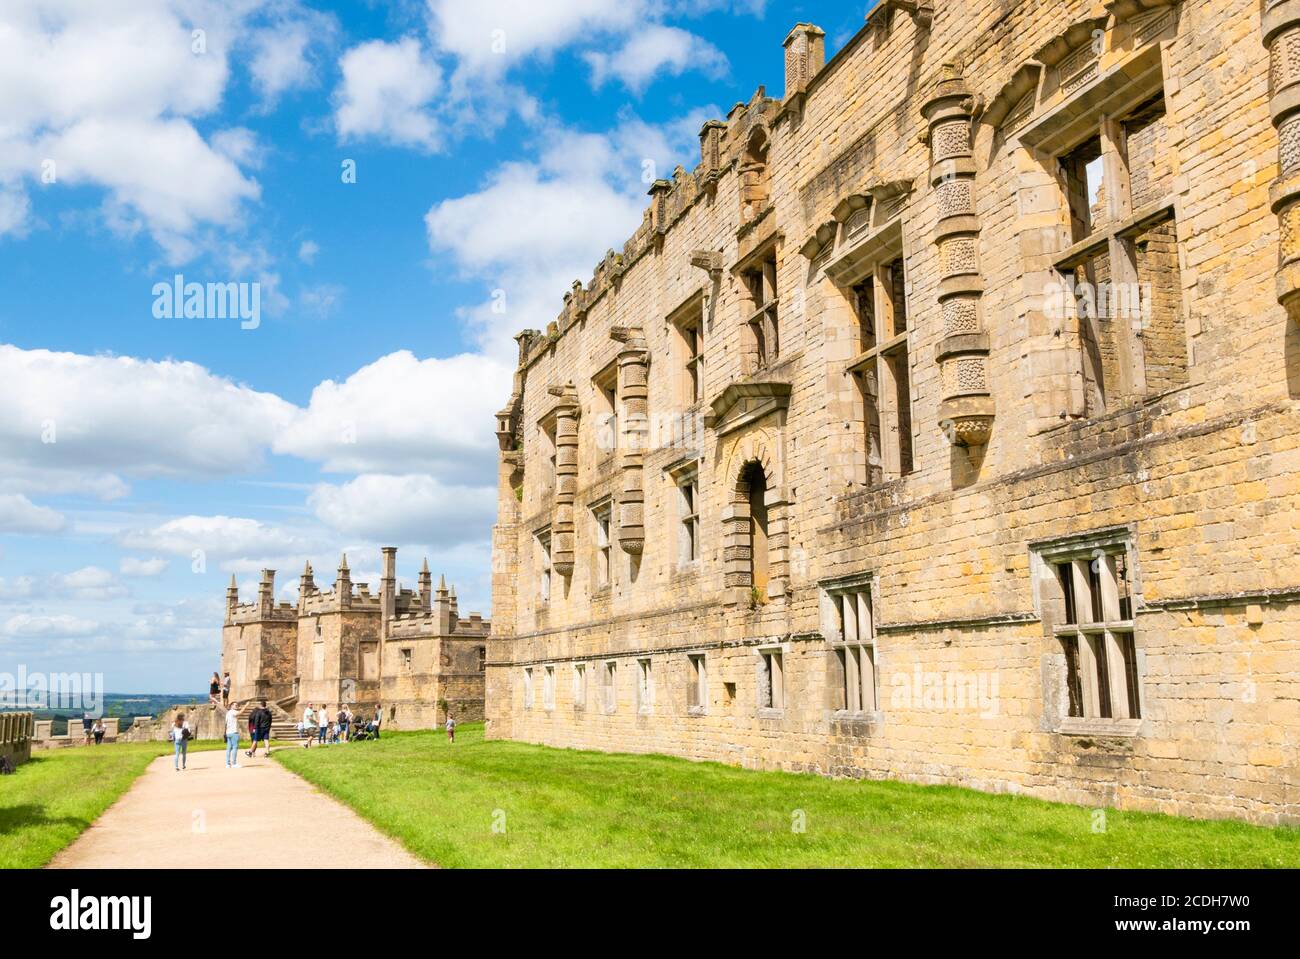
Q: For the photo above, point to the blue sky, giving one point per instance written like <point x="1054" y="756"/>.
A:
<point x="499" y="149"/>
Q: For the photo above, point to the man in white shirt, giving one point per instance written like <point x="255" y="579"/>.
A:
<point x="308" y="726"/>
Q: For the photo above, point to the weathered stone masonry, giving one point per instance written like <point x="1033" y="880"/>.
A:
<point x="956" y="406"/>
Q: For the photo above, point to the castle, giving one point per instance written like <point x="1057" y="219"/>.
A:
<point x="406" y="651"/>
<point x="942" y="424"/>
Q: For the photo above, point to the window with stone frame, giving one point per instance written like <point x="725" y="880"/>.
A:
<point x="601" y="516"/>
<point x="579" y="685"/>
<point x="528" y="687"/>
<point x="697" y="683"/>
<point x="689" y="325"/>
<point x="771" y="680"/>
<point x="546" y="436"/>
<point x="482" y="659"/>
<point x="644" y="686"/>
<point x="762" y="323"/>
<point x="1088" y="603"/>
<point x="754" y="480"/>
<point x="610" y="686"/>
<point x="688" y="511"/>
<point x="605" y="386"/>
<point x="881" y="369"/>
<point x="407" y="664"/>
<point x="853" y="682"/>
<point x="543" y="540"/>
<point x="1120" y="277"/>
<point x="548" y="687"/>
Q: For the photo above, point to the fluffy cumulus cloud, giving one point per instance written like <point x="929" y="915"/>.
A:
<point x="217" y="537"/>
<point x="18" y="514"/>
<point x="134" y="566"/>
<point x="535" y="227"/>
<point x="110" y="95"/>
<point x="63" y="625"/>
<point x="70" y="422"/>
<point x="402" y="414"/>
<point x="654" y="50"/>
<point x="392" y="508"/>
<point x="386" y="92"/>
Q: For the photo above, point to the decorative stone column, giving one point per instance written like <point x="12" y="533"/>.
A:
<point x="1281" y="26"/>
<point x="966" y="412"/>
<point x="634" y="430"/>
<point x="567" y="412"/>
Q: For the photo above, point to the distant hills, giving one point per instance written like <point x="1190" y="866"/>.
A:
<point x="125" y="706"/>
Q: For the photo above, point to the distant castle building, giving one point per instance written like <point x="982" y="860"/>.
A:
<point x="408" y="651"/>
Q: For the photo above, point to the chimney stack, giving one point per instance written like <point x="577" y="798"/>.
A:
<point x="232" y="599"/>
<point x="266" y="591"/>
<point x="805" y="55"/>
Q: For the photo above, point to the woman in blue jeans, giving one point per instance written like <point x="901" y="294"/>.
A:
<point x="232" y="736"/>
<point x="180" y="733"/>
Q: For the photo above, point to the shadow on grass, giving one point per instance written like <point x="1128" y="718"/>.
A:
<point x="13" y="818"/>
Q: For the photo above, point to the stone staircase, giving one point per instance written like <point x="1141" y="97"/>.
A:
<point x="283" y="726"/>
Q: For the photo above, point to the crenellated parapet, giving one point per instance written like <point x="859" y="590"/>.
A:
<point x="1281" y="28"/>
<point x="966" y="410"/>
<point x="567" y="413"/>
<point x="634" y="427"/>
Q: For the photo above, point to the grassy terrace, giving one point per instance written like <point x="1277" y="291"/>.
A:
<point x="566" y="808"/>
<point x="49" y="801"/>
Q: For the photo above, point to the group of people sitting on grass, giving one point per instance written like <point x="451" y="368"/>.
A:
<point x="317" y="726"/>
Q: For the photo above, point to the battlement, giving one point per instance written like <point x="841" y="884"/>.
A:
<point x="360" y="600"/>
<point x="245" y="613"/>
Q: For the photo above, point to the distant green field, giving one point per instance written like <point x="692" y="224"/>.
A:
<point x="53" y="797"/>
<point x="495" y="804"/>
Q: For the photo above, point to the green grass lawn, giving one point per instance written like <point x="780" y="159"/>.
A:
<point x="50" y="799"/>
<point x="567" y="808"/>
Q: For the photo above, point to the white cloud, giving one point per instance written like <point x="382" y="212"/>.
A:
<point x="488" y="35"/>
<point x="281" y="58"/>
<point x="28" y="625"/>
<point x="109" y="94"/>
<point x="133" y="566"/>
<point x="217" y="536"/>
<point x="405" y="508"/>
<point x="18" y="514"/>
<point x="535" y="227"/>
<point x="87" y="583"/>
<point x="386" y="92"/>
<point x="652" y="50"/>
<point x="402" y="414"/>
<point x="84" y="419"/>
<point x="307" y="251"/>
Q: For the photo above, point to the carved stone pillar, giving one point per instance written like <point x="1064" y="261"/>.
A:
<point x="634" y="430"/>
<point x="567" y="413"/>
<point x="966" y="413"/>
<point x="1281" y="25"/>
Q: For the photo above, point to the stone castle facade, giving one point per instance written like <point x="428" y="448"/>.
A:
<point x="942" y="424"/>
<point x="407" y="651"/>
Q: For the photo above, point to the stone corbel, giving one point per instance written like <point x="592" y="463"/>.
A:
<point x="822" y="238"/>
<point x="567" y="413"/>
<point x="921" y="11"/>
<point x="966" y="410"/>
<point x="634" y="428"/>
<point x="1281" y="28"/>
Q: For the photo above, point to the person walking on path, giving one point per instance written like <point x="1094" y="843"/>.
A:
<point x="214" y="690"/>
<point x="232" y="736"/>
<point x="451" y="728"/>
<point x="225" y="691"/>
<point x="259" y="724"/>
<point x="308" y="726"/>
<point x="98" y="731"/>
<point x="181" y="736"/>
